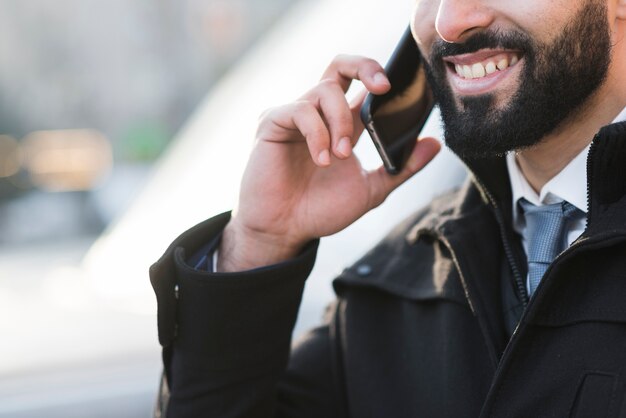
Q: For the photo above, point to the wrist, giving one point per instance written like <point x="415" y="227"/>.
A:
<point x="243" y="248"/>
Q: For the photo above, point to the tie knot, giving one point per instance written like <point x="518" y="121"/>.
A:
<point x="545" y="234"/>
<point x="562" y="209"/>
<point x="545" y="226"/>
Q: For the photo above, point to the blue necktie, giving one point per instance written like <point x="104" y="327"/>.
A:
<point x="545" y="236"/>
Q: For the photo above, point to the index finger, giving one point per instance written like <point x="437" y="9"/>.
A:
<point x="346" y="68"/>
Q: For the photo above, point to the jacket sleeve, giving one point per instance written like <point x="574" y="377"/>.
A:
<point x="226" y="337"/>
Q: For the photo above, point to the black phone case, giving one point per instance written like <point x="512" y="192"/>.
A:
<point x="394" y="137"/>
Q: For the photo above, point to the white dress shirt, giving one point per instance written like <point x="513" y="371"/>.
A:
<point x="570" y="184"/>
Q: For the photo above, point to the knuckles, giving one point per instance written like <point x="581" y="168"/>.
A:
<point x="303" y="106"/>
<point x="330" y="87"/>
<point x="266" y="114"/>
<point x="329" y="84"/>
<point x="340" y="58"/>
<point x="359" y="62"/>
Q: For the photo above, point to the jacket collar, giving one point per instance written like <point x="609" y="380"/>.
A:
<point x="606" y="178"/>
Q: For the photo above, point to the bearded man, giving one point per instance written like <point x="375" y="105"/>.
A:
<point x="504" y="298"/>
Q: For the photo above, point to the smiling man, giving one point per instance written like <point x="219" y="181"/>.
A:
<point x="504" y="298"/>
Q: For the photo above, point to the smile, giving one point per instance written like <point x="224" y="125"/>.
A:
<point x="480" y="72"/>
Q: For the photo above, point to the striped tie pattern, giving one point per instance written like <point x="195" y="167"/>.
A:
<point x="545" y="236"/>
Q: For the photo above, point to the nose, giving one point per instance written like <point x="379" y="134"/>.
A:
<point x="458" y="19"/>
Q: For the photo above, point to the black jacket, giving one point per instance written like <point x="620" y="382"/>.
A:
<point x="433" y="322"/>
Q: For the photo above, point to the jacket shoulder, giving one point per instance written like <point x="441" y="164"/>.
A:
<point x="410" y="262"/>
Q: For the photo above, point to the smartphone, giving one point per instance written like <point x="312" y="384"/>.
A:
<point x="395" y="119"/>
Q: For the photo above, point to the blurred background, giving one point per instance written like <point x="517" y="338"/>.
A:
<point x="116" y="118"/>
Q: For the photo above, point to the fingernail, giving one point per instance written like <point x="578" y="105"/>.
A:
<point x="380" y="78"/>
<point x="344" y="147"/>
<point x="324" y="157"/>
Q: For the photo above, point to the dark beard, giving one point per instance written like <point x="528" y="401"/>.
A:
<point x="555" y="82"/>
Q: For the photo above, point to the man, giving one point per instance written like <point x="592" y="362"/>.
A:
<point x="504" y="298"/>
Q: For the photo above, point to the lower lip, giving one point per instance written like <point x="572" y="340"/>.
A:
<point x="484" y="85"/>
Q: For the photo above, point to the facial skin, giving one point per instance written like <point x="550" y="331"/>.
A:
<point x="543" y="64"/>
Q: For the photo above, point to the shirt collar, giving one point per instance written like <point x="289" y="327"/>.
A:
<point x="569" y="184"/>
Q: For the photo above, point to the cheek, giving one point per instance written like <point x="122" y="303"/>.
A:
<point x="423" y="23"/>
<point x="544" y="21"/>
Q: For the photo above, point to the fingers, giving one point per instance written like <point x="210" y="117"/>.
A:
<point x="345" y="68"/>
<point x="382" y="183"/>
<point x="323" y="116"/>
<point x="343" y="119"/>
<point x="338" y="117"/>
<point x="326" y="125"/>
<point x="310" y="123"/>
<point x="303" y="118"/>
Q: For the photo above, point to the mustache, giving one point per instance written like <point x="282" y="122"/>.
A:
<point x="491" y="39"/>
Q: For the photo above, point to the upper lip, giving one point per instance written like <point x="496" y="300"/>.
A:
<point x="479" y="56"/>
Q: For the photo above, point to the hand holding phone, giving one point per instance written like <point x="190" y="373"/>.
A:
<point x="302" y="180"/>
<point x="395" y="119"/>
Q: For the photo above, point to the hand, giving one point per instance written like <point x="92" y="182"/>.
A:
<point x="302" y="180"/>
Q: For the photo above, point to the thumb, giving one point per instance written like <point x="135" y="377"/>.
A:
<point x="382" y="183"/>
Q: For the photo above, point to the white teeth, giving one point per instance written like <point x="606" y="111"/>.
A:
<point x="467" y="71"/>
<point x="478" y="71"/>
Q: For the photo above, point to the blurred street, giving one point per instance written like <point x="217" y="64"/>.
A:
<point x="65" y="352"/>
<point x="92" y="94"/>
